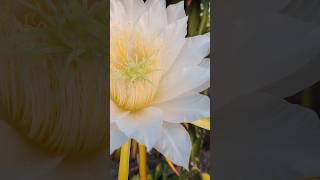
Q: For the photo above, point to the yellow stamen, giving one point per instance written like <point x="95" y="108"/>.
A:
<point x="135" y="67"/>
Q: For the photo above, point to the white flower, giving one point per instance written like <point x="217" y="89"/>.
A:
<point x="156" y="76"/>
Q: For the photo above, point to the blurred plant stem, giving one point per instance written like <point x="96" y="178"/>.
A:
<point x="204" y="17"/>
<point x="142" y="162"/>
<point x="124" y="161"/>
<point x="158" y="172"/>
<point x="117" y="154"/>
<point x="134" y="147"/>
<point x="195" y="148"/>
<point x="194" y="15"/>
<point x="199" y="17"/>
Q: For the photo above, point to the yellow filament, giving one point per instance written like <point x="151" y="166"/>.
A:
<point x="142" y="162"/>
<point x="124" y="161"/>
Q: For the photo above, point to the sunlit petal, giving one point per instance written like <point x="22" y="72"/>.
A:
<point x="175" y="144"/>
<point x="117" y="138"/>
<point x="186" y="108"/>
<point x="143" y="126"/>
<point x="175" y="11"/>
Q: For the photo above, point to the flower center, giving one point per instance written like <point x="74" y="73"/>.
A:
<point x="135" y="70"/>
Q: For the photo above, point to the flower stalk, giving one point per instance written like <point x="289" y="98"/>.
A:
<point x="142" y="162"/>
<point x="124" y="161"/>
<point x="205" y="176"/>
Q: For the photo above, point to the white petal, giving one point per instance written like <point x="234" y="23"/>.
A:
<point x="133" y="9"/>
<point x="143" y="126"/>
<point x="151" y="2"/>
<point x="115" y="112"/>
<point x="206" y="85"/>
<point x="154" y="19"/>
<point x="174" y="38"/>
<point x="175" y="11"/>
<point x="275" y="139"/>
<point x="117" y="11"/>
<point x="20" y="159"/>
<point x="194" y="51"/>
<point x="182" y="81"/>
<point x="175" y="144"/>
<point x="117" y="138"/>
<point x="186" y="108"/>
